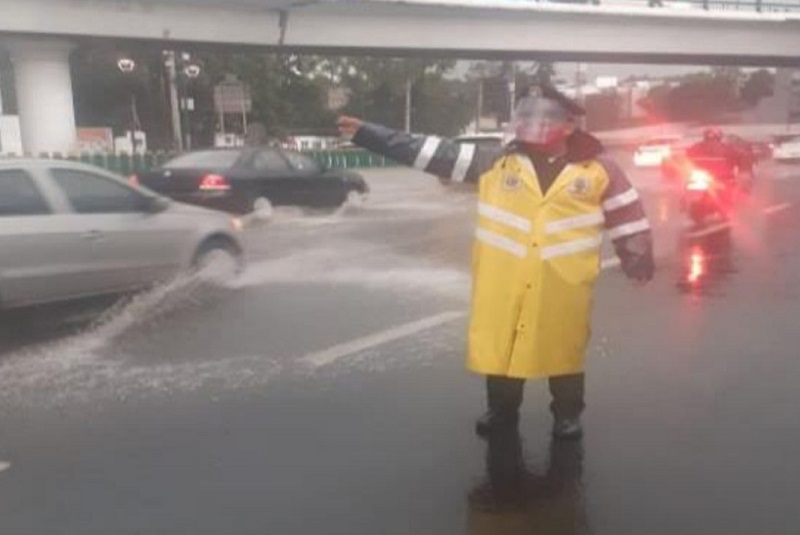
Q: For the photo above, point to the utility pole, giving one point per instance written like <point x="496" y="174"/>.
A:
<point x="409" y="86"/>
<point x="172" y="76"/>
<point x="580" y="79"/>
<point x="512" y="90"/>
<point x="479" y="106"/>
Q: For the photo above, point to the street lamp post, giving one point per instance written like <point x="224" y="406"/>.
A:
<point x="191" y="72"/>
<point x="127" y="66"/>
<point x="179" y="69"/>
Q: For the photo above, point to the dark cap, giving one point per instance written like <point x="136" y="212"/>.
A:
<point x="548" y="91"/>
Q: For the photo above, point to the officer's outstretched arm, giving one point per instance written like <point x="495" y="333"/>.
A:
<point x="437" y="156"/>
<point x="627" y="225"/>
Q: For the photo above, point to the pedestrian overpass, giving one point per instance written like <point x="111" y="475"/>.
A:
<point x="39" y="35"/>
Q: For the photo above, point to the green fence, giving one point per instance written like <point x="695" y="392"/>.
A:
<point x="125" y="164"/>
<point x="350" y="159"/>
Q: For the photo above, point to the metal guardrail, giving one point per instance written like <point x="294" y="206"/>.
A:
<point x="760" y="6"/>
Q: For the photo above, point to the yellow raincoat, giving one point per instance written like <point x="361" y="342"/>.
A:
<point x="536" y="256"/>
<point x="535" y="261"/>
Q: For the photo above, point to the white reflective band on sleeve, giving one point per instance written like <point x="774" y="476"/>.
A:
<point x="581" y="221"/>
<point x="620" y="231"/>
<point x="501" y="242"/>
<point x="499" y="215"/>
<point x="426" y="152"/>
<point x="623" y="199"/>
<point x="571" y="247"/>
<point x="465" y="155"/>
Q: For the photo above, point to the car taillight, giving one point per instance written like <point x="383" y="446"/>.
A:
<point x="133" y="180"/>
<point x="214" y="183"/>
<point x="700" y="180"/>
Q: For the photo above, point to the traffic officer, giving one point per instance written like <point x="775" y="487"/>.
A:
<point x="544" y="201"/>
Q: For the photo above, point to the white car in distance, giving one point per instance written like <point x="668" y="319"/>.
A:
<point x="787" y="151"/>
<point x="654" y="152"/>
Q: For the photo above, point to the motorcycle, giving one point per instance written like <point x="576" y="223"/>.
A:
<point x="712" y="188"/>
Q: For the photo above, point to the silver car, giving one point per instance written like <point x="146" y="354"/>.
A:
<point x="69" y="230"/>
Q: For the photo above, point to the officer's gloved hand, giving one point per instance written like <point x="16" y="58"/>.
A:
<point x="348" y="126"/>
<point x="636" y="255"/>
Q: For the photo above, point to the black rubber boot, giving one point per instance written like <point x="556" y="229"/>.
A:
<point x="494" y="422"/>
<point x="503" y="397"/>
<point x="567" y="429"/>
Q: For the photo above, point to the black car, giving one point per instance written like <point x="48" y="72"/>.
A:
<point x="245" y="180"/>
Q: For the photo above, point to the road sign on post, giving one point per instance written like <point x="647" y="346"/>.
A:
<point x="232" y="97"/>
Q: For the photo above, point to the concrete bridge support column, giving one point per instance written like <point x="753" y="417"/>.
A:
<point x="44" y="94"/>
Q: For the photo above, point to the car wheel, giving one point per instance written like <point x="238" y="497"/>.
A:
<point x="218" y="261"/>
<point x="262" y="208"/>
<point x="355" y="198"/>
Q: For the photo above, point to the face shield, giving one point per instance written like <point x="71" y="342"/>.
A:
<point x="540" y="121"/>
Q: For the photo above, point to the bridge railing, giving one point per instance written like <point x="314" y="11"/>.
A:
<point x="761" y="6"/>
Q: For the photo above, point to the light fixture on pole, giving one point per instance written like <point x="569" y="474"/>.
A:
<point x="127" y="66"/>
<point x="192" y="71"/>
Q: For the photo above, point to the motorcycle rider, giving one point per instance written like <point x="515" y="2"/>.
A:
<point x="723" y="160"/>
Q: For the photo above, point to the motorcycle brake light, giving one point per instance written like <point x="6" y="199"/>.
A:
<point x="699" y="180"/>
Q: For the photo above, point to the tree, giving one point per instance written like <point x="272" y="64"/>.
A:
<point x="103" y="93"/>
<point x="290" y="93"/>
<point x="493" y="79"/>
<point x="286" y="97"/>
<point x="759" y="85"/>
<point x="700" y="97"/>
<point x="378" y="90"/>
<point x="603" y="111"/>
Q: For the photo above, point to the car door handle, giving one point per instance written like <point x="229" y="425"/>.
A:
<point x="93" y="235"/>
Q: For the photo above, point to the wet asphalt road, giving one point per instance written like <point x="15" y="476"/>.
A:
<point x="325" y="391"/>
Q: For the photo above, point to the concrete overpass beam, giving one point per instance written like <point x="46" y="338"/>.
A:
<point x="44" y="94"/>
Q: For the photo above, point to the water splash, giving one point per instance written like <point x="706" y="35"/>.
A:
<point x="85" y="364"/>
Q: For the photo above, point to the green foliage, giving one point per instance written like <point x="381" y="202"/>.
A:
<point x="709" y="95"/>
<point x="289" y="92"/>
<point x="760" y="84"/>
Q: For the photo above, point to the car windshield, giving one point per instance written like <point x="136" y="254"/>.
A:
<point x="212" y="159"/>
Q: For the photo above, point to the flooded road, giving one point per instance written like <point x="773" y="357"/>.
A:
<point x="324" y="390"/>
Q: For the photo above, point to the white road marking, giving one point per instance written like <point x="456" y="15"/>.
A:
<point x="340" y="351"/>
<point x="4" y="466"/>
<point x="774" y="209"/>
